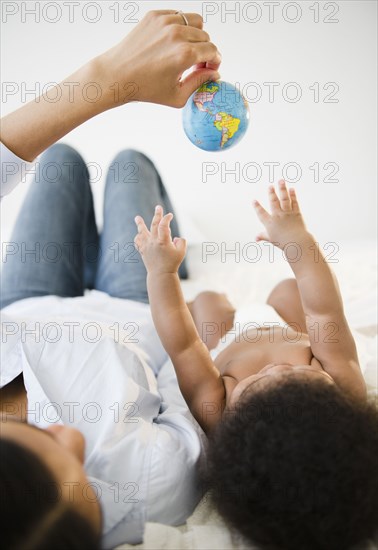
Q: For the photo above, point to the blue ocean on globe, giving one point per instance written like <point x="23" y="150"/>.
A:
<point x="216" y="116"/>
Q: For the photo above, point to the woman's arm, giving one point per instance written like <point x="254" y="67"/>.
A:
<point x="146" y="65"/>
<point x="30" y="130"/>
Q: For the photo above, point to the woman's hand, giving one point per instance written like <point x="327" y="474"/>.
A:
<point x="148" y="63"/>
<point x="285" y="224"/>
<point x="159" y="253"/>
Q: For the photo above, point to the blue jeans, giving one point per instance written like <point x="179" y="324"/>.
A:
<point x="55" y="247"/>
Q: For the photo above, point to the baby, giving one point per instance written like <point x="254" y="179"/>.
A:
<point x="325" y="349"/>
<point x="292" y="439"/>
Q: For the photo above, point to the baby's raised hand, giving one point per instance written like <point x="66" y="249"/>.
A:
<point x="159" y="252"/>
<point x="285" y="224"/>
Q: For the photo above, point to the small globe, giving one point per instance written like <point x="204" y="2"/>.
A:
<point x="216" y="116"/>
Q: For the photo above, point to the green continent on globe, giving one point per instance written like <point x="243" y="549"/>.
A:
<point x="205" y="94"/>
<point x="227" y="124"/>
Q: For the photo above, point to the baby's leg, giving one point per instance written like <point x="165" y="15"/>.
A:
<point x="213" y="316"/>
<point x="286" y="300"/>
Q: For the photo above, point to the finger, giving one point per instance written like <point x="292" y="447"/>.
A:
<point x="273" y="199"/>
<point x="207" y="65"/>
<point x="194" y="19"/>
<point x="195" y="79"/>
<point x="262" y="237"/>
<point x="262" y="214"/>
<point x="191" y="34"/>
<point x="140" y="241"/>
<point x="137" y="242"/>
<point x="180" y="243"/>
<point x="141" y="226"/>
<point x="213" y="65"/>
<point x="205" y="56"/>
<point x="294" y="201"/>
<point x="285" y="200"/>
<point x="156" y="220"/>
<point x="164" y="230"/>
<point x="204" y="52"/>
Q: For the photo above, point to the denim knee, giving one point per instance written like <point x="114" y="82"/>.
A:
<point x="61" y="161"/>
<point x="131" y="166"/>
<point x="132" y="155"/>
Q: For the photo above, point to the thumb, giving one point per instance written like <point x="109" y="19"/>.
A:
<point x="262" y="237"/>
<point x="180" y="244"/>
<point x="195" y="79"/>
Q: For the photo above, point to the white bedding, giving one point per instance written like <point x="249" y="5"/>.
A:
<point x="248" y="285"/>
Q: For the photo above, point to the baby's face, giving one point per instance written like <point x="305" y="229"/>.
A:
<point x="272" y="374"/>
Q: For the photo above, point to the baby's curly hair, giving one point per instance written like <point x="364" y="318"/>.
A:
<point x="294" y="467"/>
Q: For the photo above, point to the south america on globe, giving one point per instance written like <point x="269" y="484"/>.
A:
<point x="216" y="116"/>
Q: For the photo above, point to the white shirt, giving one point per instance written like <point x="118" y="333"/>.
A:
<point x="96" y="363"/>
<point x="13" y="170"/>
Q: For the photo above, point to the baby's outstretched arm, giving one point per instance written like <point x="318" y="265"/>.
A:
<point x="332" y="343"/>
<point x="199" y="380"/>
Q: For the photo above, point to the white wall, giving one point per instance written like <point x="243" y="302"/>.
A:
<point x="304" y="132"/>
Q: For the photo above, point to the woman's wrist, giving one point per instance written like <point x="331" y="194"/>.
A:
<point x="88" y="90"/>
<point x="115" y="91"/>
